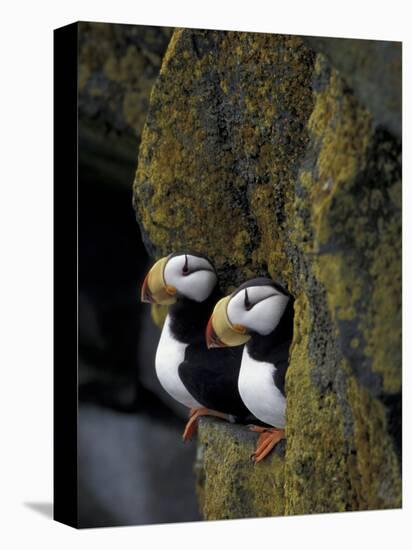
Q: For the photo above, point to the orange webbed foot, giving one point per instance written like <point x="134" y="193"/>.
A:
<point x="268" y="439"/>
<point x="194" y="414"/>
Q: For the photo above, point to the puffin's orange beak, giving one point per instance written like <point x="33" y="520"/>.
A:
<point x="154" y="288"/>
<point x="220" y="332"/>
<point x="212" y="339"/>
<point x="146" y="295"/>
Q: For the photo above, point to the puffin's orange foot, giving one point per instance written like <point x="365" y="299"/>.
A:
<point x="264" y="434"/>
<point x="191" y="426"/>
<point x="268" y="439"/>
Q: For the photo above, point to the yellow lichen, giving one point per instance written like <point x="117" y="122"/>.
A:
<point x="315" y="473"/>
<point x="377" y="470"/>
<point x="83" y="76"/>
<point x="341" y="128"/>
<point x="229" y="485"/>
<point x="245" y="159"/>
<point x="383" y="340"/>
<point x="173" y="165"/>
<point x="117" y="72"/>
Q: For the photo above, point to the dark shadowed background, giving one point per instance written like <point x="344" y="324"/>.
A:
<point x="133" y="466"/>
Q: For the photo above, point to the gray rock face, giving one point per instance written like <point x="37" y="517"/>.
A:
<point x="373" y="69"/>
<point x="118" y="65"/>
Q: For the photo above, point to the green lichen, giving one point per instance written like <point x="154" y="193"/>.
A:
<point x="118" y="66"/>
<point x="340" y="132"/>
<point x="230" y="485"/>
<point x="375" y="473"/>
<point x="359" y="268"/>
<point x="383" y="339"/>
<point x="362" y="270"/>
<point x="209" y="180"/>
<point x="315" y="468"/>
<point x="256" y="153"/>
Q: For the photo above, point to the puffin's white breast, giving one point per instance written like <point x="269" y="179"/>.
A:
<point x="170" y="353"/>
<point x="259" y="393"/>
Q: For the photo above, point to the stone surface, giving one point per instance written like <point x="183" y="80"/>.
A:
<point x="229" y="485"/>
<point x="373" y="69"/>
<point x="257" y="152"/>
<point x="118" y="65"/>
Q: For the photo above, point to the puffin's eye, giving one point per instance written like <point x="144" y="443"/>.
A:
<point x="248" y="305"/>
<point x="185" y="269"/>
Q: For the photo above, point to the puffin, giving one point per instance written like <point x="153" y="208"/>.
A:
<point x="258" y="316"/>
<point x="205" y="381"/>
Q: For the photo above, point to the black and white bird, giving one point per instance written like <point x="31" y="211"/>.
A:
<point x="201" y="379"/>
<point x="260" y="312"/>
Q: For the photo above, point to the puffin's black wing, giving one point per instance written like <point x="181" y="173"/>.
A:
<point x="211" y="376"/>
<point x="280" y="359"/>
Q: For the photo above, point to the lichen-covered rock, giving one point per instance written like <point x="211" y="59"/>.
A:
<point x="230" y="485"/>
<point x="257" y="152"/>
<point x="118" y="65"/>
<point x="373" y="69"/>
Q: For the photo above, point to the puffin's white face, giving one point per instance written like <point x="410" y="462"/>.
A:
<point x="192" y="276"/>
<point x="257" y="308"/>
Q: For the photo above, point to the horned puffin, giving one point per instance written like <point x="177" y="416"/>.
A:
<point x="260" y="313"/>
<point x="201" y="379"/>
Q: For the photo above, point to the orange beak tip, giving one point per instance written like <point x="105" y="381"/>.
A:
<point x="145" y="295"/>
<point x="212" y="339"/>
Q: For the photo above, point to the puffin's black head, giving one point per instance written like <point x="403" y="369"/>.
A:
<point x="256" y="307"/>
<point x="188" y="275"/>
